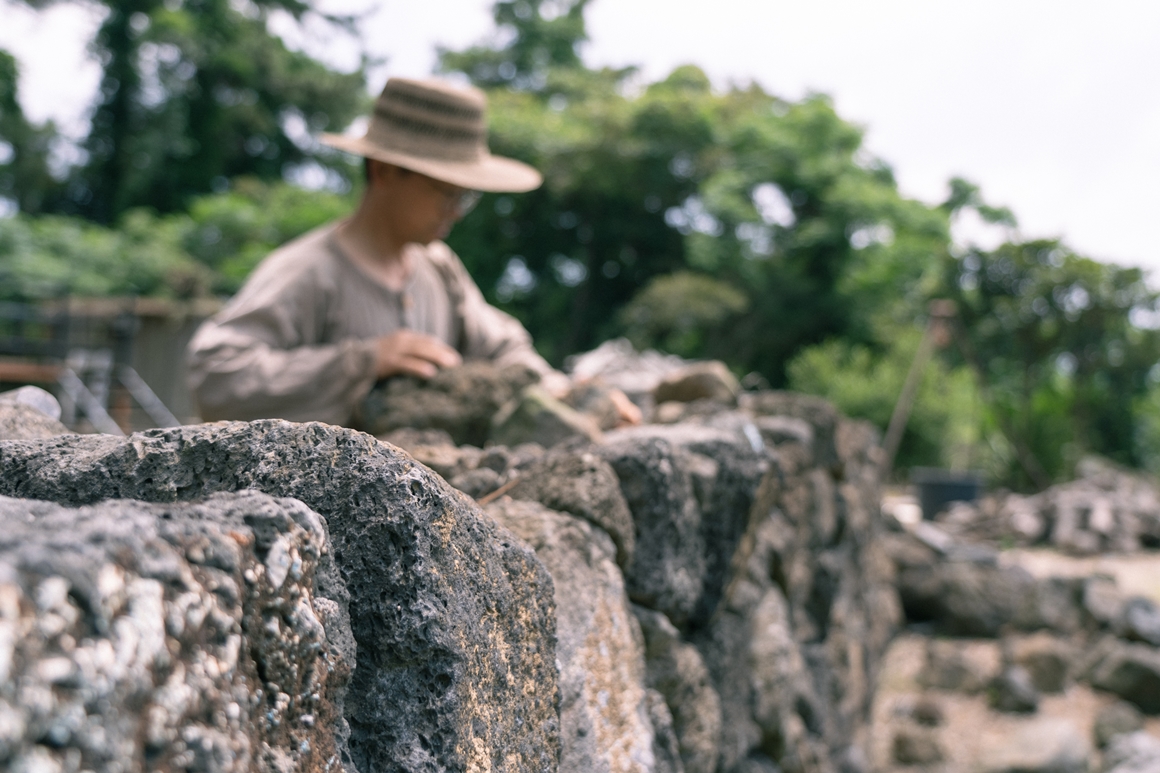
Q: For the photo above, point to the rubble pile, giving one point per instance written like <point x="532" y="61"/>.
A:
<point x="1105" y="510"/>
<point x="1004" y="670"/>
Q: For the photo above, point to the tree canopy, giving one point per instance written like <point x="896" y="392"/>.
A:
<point x="193" y="94"/>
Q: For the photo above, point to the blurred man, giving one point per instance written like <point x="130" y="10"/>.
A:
<point x="377" y="294"/>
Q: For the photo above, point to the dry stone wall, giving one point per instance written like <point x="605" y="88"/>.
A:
<point x="452" y="617"/>
<point x="707" y="593"/>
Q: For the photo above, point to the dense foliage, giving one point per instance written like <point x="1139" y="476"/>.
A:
<point x="708" y="222"/>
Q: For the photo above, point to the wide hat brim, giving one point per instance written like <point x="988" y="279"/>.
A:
<point x="494" y="174"/>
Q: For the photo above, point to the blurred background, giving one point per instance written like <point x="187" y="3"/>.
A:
<point x="782" y="186"/>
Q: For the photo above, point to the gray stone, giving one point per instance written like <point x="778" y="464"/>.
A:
<point x="928" y="712"/>
<point x="450" y="673"/>
<point x="20" y="421"/>
<point x="1036" y="745"/>
<point x="1012" y="691"/>
<point x="478" y="482"/>
<point x="1137" y="752"/>
<point x="461" y="401"/>
<point x="583" y="484"/>
<point x="435" y="448"/>
<point x="916" y="746"/>
<point x="534" y="416"/>
<point x="1140" y="621"/>
<point x="964" y="598"/>
<point x="699" y="381"/>
<point x="1102" y="600"/>
<point x="683" y="553"/>
<point x="948" y="668"/>
<point x="593" y="399"/>
<point x="34" y="397"/>
<point x="677" y="672"/>
<point x="605" y="721"/>
<point x="668" y="567"/>
<point x="1131" y="671"/>
<point x="1118" y="718"/>
<point x="1046" y="658"/>
<point x="185" y="636"/>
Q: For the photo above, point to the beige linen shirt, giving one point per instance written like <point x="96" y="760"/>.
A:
<point x="298" y="340"/>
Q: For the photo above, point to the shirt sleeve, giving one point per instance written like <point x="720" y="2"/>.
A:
<point x="262" y="356"/>
<point x="487" y="332"/>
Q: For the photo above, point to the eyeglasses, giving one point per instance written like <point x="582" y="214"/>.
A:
<point x="456" y="199"/>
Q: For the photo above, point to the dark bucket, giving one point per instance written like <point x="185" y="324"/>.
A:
<point x="938" y="488"/>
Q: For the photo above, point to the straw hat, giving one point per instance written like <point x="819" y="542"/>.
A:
<point x="440" y="130"/>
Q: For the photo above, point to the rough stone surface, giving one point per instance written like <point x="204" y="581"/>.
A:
<point x="690" y="489"/>
<point x="1140" y="621"/>
<point x="676" y="670"/>
<point x="794" y="645"/>
<point x="1106" y="509"/>
<point x="668" y="565"/>
<point x="1131" y="671"/>
<point x="537" y="417"/>
<point x="965" y="598"/>
<point x="170" y="637"/>
<point x="583" y="484"/>
<point x="1046" y="658"/>
<point x="949" y="667"/>
<point x="461" y="401"/>
<point x="700" y="381"/>
<point x="20" y="421"/>
<point x="1013" y="692"/>
<point x="1136" y="752"/>
<point x="450" y="675"/>
<point x="1038" y="746"/>
<point x="605" y="708"/>
<point x="1118" y="718"/>
<point x="916" y="746"/>
<point x="593" y="398"/>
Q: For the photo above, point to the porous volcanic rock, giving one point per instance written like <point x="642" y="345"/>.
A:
<point x="453" y="617"/>
<point x="677" y="671"/>
<point x="461" y="401"/>
<point x="163" y="637"/>
<point x="699" y="381"/>
<point x="606" y="722"/>
<point x="26" y="414"/>
<point x="690" y="488"/>
<point x="581" y="483"/>
<point x="794" y="644"/>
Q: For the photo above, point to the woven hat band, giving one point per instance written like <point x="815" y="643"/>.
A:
<point x="440" y="125"/>
<point x="438" y="129"/>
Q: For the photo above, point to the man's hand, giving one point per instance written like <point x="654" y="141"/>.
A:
<point x="406" y="352"/>
<point x="626" y="409"/>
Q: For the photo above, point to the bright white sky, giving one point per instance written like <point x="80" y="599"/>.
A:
<point x="1052" y="106"/>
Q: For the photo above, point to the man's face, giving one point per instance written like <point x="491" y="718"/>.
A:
<point x="417" y="208"/>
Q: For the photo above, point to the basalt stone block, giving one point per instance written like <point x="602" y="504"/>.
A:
<point x="669" y="562"/>
<point x="163" y="637"/>
<point x="690" y="488"/>
<point x="583" y="484"/>
<point x="21" y="421"/>
<point x="535" y="416"/>
<point x="453" y="617"/>
<point x="610" y="721"/>
<point x="964" y="598"/>
<point x="676" y="670"/>
<point x="460" y="401"/>
<point x="1131" y="671"/>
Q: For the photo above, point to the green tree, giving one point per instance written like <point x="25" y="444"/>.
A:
<point x="1055" y="338"/>
<point x="773" y="199"/>
<point x="197" y="92"/>
<point x="24" y="147"/>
